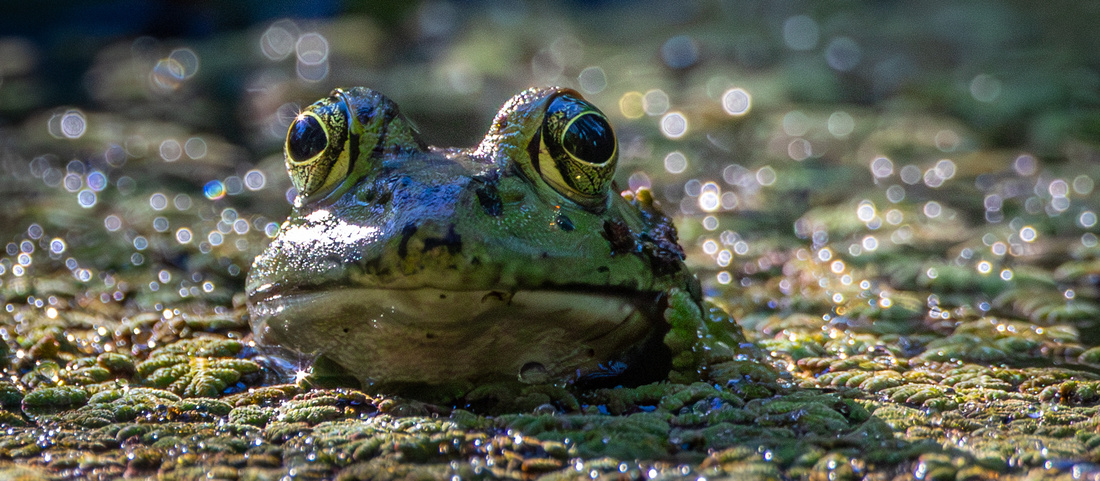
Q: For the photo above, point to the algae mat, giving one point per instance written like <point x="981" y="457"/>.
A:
<point x="909" y="238"/>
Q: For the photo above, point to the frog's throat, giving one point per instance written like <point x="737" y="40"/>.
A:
<point x="434" y="336"/>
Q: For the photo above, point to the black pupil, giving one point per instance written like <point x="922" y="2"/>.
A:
<point x="306" y="138"/>
<point x="589" y="138"/>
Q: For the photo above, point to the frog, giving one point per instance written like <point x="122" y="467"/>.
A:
<point x="416" y="268"/>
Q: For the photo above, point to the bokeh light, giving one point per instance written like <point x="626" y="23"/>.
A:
<point x="799" y="149"/>
<point x="843" y="54"/>
<point x="882" y="167"/>
<point x="766" y="176"/>
<point x="841" y="124"/>
<point x="254" y="180"/>
<point x="736" y="102"/>
<point x="592" y="80"/>
<point x="985" y="88"/>
<point x="631" y="105"/>
<point x="680" y="52"/>
<point x="170" y="150"/>
<point x="796" y="123"/>
<point x="158" y="201"/>
<point x="675" y="162"/>
<point x="801" y="32"/>
<point x="655" y="102"/>
<point x="674" y="125"/>
<point x="1026" y="165"/>
<point x="312" y="50"/>
<point x="195" y="148"/>
<point x="710" y="196"/>
<point x="73" y="124"/>
<point x="86" y="198"/>
<point x="278" y="41"/>
<point x="214" y="190"/>
<point x="188" y="61"/>
<point x="183" y="235"/>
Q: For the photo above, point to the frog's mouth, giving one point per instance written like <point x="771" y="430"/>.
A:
<point x="434" y="336"/>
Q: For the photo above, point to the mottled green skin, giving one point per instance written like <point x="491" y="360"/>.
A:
<point x="430" y="266"/>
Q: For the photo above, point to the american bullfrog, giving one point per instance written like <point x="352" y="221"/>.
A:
<point x="515" y="260"/>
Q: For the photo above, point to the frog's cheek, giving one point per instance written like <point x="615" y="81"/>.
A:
<point x="317" y="150"/>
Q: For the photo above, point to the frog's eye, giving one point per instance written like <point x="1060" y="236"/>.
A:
<point x="582" y="150"/>
<point x="306" y="138"/>
<point x="316" y="146"/>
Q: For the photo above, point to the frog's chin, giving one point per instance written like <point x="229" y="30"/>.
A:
<point x="431" y="336"/>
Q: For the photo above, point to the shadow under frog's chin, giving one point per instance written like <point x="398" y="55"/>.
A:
<point x="430" y="336"/>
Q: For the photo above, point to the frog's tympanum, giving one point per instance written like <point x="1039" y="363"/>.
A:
<point x="513" y="261"/>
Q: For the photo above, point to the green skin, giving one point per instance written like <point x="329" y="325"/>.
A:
<point x="417" y="267"/>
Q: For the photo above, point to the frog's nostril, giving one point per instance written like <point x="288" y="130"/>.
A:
<point x="533" y="373"/>
<point x="497" y="296"/>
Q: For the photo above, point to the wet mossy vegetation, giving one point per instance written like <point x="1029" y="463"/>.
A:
<point x="909" y="241"/>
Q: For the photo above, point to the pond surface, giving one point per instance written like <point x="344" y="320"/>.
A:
<point x="897" y="202"/>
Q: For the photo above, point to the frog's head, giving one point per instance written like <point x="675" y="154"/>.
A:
<point x="512" y="257"/>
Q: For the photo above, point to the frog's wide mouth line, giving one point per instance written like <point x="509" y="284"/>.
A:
<point x="432" y="335"/>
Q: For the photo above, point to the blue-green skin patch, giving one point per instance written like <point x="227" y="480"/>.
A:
<point x="414" y="266"/>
